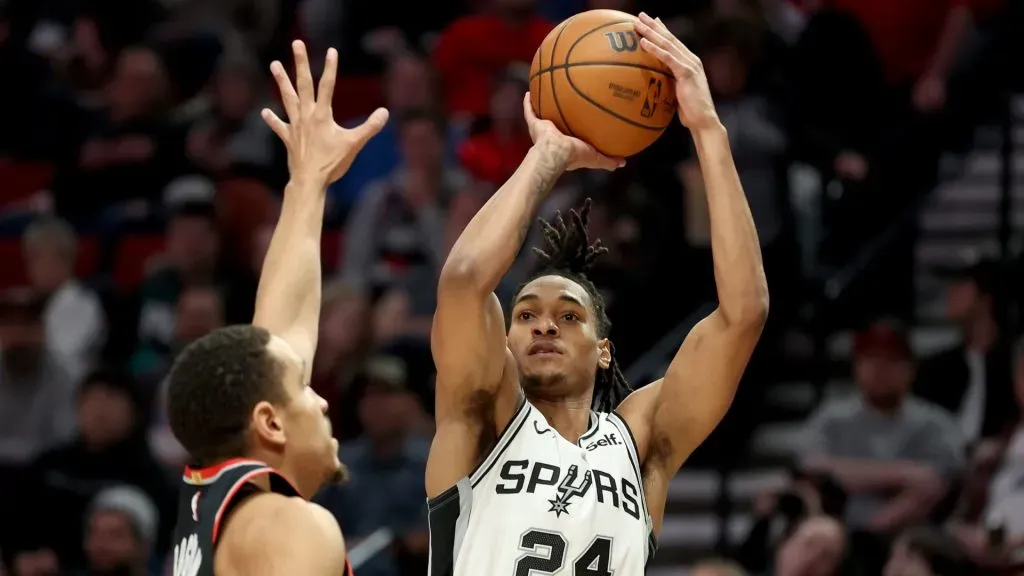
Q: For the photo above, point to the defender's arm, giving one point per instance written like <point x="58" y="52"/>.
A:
<point x="319" y="152"/>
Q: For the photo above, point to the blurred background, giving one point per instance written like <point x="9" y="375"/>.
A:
<point x="879" y="144"/>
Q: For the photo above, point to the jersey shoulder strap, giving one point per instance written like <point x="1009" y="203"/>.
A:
<point x="218" y="489"/>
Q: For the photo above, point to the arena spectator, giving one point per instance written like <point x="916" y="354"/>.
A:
<point x="896" y="455"/>
<point x="972" y="379"/>
<point x="345" y="341"/>
<point x="494" y="154"/>
<point x="927" y="551"/>
<point x="37" y="392"/>
<point x="109" y="450"/>
<point x="198" y="311"/>
<point x="76" y="328"/>
<point x="120" y="533"/>
<point x="193" y="257"/>
<point x="232" y="139"/>
<point x="384" y="497"/>
<point x="123" y="160"/>
<point x="474" y="49"/>
<point x="410" y="86"/>
<point x="778" y="513"/>
<point x="815" y="548"/>
<point x="399" y="222"/>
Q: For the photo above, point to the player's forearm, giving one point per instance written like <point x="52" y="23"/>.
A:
<point x="487" y="247"/>
<point x="739" y="272"/>
<point x="288" y="297"/>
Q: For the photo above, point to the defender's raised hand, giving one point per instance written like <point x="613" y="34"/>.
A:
<point x="696" y="109"/>
<point x="318" y="148"/>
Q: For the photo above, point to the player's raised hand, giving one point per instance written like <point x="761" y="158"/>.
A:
<point x="318" y="148"/>
<point x="579" y="154"/>
<point x="696" y="109"/>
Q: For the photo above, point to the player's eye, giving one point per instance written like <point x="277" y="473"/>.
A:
<point x="525" y="315"/>
<point x="570" y="317"/>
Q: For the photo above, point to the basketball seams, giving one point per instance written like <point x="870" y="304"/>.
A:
<point x="604" y="63"/>
<point x="610" y="112"/>
<point x="554" y="93"/>
<point x="540" y="82"/>
<point x="567" y="65"/>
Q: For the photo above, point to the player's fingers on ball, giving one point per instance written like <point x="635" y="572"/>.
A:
<point x="325" y="90"/>
<point x="288" y="96"/>
<point x="661" y="54"/>
<point x="303" y="75"/>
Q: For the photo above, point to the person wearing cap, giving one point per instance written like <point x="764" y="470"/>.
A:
<point x="972" y="379"/>
<point x="895" y="454"/>
<point x="120" y="531"/>
<point x="110" y="449"/>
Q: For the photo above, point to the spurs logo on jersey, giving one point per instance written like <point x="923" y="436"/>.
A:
<point x="568" y="488"/>
<point x="540" y="505"/>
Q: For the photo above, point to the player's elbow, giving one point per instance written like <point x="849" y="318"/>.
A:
<point x="462" y="274"/>
<point x="747" y="314"/>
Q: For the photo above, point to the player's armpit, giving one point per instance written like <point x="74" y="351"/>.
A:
<point x="274" y="535"/>
<point x="672" y="416"/>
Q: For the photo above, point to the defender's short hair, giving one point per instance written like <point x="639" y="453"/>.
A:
<point x="213" y="387"/>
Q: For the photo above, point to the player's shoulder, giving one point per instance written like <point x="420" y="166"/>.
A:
<point x="275" y="534"/>
<point x="269" y="521"/>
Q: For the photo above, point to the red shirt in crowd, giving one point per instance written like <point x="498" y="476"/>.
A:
<point x="491" y="159"/>
<point x="474" y="49"/>
<point x="905" y="33"/>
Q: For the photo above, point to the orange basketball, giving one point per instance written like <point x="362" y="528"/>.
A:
<point x="591" y="78"/>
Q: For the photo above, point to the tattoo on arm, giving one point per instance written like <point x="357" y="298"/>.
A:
<point x="548" y="172"/>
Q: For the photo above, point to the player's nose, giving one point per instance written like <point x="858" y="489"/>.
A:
<point x="545" y="327"/>
<point x="323" y="403"/>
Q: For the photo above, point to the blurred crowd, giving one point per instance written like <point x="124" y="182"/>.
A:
<point x="139" y="189"/>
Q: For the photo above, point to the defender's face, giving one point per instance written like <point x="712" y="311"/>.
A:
<point x="309" y="445"/>
<point x="553" y="334"/>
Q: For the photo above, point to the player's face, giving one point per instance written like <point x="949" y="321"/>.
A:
<point x="311" y="452"/>
<point x="553" y="336"/>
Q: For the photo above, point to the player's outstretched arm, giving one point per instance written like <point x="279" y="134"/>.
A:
<point x="274" y="535"/>
<point x="468" y="335"/>
<point x="673" y="416"/>
<point x="319" y="152"/>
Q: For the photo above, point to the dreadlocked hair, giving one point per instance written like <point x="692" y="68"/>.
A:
<point x="568" y="253"/>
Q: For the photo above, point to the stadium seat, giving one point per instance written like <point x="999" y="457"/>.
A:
<point x="20" y="179"/>
<point x="135" y="254"/>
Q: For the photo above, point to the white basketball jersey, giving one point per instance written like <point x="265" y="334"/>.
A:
<point x="540" y="505"/>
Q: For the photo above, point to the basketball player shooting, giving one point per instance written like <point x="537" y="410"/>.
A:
<point x="239" y="398"/>
<point x="541" y="463"/>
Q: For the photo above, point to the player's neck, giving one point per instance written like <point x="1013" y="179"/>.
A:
<point x="570" y="417"/>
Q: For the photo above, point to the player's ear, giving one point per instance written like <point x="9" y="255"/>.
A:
<point x="266" y="423"/>
<point x="604" y="358"/>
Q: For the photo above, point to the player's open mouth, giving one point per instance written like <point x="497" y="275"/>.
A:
<point x="543" y="349"/>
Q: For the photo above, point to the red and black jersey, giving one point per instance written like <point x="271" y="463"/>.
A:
<point x="207" y="497"/>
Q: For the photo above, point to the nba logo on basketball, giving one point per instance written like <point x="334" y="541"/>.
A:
<point x="651" y="98"/>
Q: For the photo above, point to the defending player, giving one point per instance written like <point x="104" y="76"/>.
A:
<point x="524" y="477"/>
<point x="239" y="398"/>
